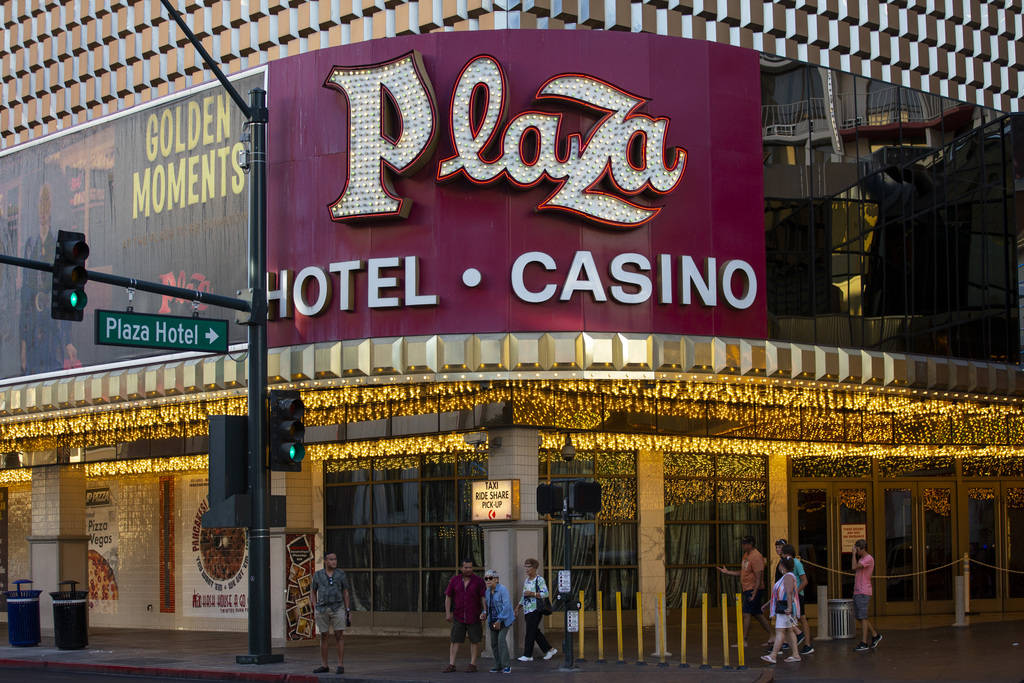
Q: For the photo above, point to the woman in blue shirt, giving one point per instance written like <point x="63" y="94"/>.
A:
<point x="500" y="617"/>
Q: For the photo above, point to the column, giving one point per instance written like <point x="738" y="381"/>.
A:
<point x="507" y="544"/>
<point x="58" y="546"/>
<point x="778" y="503"/>
<point x="650" y="493"/>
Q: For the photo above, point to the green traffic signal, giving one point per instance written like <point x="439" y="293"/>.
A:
<point x="67" y="295"/>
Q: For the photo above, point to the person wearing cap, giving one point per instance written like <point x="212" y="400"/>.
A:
<point x="803" y="631"/>
<point x="751" y="573"/>
<point x="500" y="617"/>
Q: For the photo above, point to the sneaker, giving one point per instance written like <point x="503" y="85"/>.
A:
<point x="524" y="658"/>
<point x="768" y="658"/>
<point x="340" y="670"/>
<point x="552" y="652"/>
<point x="785" y="647"/>
<point x="495" y="670"/>
<point x="794" y="658"/>
<point x="507" y="670"/>
<point x="322" y="670"/>
<point x="807" y="650"/>
<point x="862" y="647"/>
<point x="800" y="638"/>
<point x="874" y="641"/>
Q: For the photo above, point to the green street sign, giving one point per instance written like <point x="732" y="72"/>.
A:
<point x="120" y="328"/>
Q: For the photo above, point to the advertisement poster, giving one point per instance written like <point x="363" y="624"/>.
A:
<point x="101" y="527"/>
<point x="299" y="565"/>
<point x="850" y="534"/>
<point x="215" y="571"/>
<point x="159" y="196"/>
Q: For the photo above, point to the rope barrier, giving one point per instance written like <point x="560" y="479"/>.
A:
<point x="904" y="576"/>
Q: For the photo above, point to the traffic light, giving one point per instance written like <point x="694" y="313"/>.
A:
<point x="549" y="499"/>
<point x="286" y="431"/>
<point x="586" y="497"/>
<point x="67" y="295"/>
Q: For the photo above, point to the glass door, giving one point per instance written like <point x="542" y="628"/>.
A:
<point x="916" y="547"/>
<point x="829" y="517"/>
<point x="994" y="535"/>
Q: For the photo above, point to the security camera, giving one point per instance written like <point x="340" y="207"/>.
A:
<point x="475" y="438"/>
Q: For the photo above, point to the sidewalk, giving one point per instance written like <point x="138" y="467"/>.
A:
<point x="988" y="651"/>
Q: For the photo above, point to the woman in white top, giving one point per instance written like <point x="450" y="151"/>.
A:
<point x="785" y="607"/>
<point x="533" y="587"/>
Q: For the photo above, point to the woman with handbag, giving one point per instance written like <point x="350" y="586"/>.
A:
<point x="534" y="604"/>
<point x="500" y="617"/>
<point x="785" y="607"/>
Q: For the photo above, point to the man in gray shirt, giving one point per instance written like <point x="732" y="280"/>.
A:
<point x="330" y="592"/>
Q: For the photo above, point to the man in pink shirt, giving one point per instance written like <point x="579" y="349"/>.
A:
<point x="863" y="568"/>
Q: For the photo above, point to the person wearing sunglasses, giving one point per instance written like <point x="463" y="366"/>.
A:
<point x="500" y="617"/>
<point x="330" y="591"/>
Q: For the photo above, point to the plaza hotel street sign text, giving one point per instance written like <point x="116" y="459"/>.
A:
<point x="542" y="194"/>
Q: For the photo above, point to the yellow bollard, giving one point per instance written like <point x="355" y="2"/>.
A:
<point x="725" y="633"/>
<point x="740" y="645"/>
<point x="639" y="631"/>
<point x="618" y="624"/>
<point x="682" y="634"/>
<point x="704" y="631"/>
<point x="579" y="657"/>
<point x="661" y="630"/>
<point x="600" y="629"/>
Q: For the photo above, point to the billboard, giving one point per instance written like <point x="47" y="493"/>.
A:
<point x="159" y="195"/>
<point x="488" y="182"/>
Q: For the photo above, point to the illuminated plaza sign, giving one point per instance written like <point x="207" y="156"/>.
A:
<point x="515" y="181"/>
<point x="625" y="148"/>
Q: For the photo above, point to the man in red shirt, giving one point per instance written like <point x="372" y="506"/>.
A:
<point x="465" y="607"/>
<point x="751" y="573"/>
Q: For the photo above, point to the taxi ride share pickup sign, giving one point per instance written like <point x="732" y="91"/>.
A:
<point x="121" y="328"/>
<point x="496" y="500"/>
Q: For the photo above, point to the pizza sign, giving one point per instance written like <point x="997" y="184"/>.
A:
<point x="393" y="126"/>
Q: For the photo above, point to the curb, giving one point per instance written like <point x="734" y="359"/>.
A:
<point x="160" y="672"/>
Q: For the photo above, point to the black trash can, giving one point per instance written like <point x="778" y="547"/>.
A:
<point x="70" y="617"/>
<point x="23" y="615"/>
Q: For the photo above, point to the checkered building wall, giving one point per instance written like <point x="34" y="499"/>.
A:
<point x="64" y="63"/>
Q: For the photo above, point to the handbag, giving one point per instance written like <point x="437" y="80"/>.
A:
<point x="543" y="604"/>
<point x="781" y="606"/>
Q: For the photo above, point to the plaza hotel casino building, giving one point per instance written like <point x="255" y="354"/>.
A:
<point x="758" y="264"/>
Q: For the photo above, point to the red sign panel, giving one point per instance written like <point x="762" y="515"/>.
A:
<point x="520" y="181"/>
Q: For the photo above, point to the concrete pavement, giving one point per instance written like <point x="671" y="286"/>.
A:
<point x="992" y="651"/>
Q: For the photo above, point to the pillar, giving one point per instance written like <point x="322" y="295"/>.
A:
<point x="507" y="544"/>
<point x="297" y="487"/>
<point x="58" y="546"/>
<point x="650" y="494"/>
<point x="778" y="503"/>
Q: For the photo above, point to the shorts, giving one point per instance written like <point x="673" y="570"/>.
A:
<point x="783" y="621"/>
<point x="752" y="606"/>
<point x="326" y="617"/>
<point x="860" y="605"/>
<point x="460" y="631"/>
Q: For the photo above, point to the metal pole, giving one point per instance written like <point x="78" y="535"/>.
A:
<point x="259" y="535"/>
<point x="567" y="545"/>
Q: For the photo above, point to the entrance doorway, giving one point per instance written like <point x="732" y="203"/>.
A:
<point x="993" y="536"/>
<point x="829" y="518"/>
<point x="917" y="534"/>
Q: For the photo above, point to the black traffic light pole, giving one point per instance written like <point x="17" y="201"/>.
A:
<point x="259" y="535"/>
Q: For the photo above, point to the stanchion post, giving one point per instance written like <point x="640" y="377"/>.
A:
<point x="704" y="631"/>
<point x="967" y="584"/>
<point x="958" y="601"/>
<point x="639" y="631"/>
<point x="823" y="614"/>
<point x="741" y="654"/>
<point x="600" y="628"/>
<point x="618" y="624"/>
<point x="725" y="632"/>
<point x="682" y="633"/>
<point x="662" y="639"/>
<point x="579" y="657"/>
